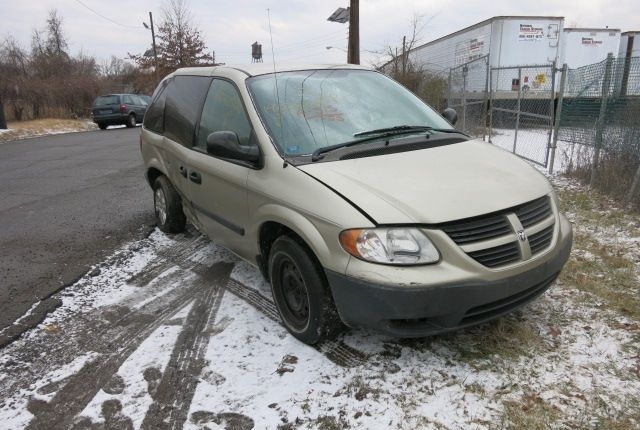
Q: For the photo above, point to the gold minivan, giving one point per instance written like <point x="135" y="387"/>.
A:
<point x="358" y="202"/>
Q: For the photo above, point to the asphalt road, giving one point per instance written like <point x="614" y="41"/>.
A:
<point x="66" y="201"/>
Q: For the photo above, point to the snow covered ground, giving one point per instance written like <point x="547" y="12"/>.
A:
<point x="175" y="332"/>
<point x="532" y="145"/>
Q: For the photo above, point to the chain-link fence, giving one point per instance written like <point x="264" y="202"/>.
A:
<point x="521" y="110"/>
<point x="468" y="95"/>
<point x="599" y="125"/>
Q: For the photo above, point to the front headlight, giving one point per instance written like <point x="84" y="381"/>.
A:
<point x="403" y="246"/>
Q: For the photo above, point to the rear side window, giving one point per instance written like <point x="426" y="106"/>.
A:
<point x="184" y="98"/>
<point x="154" y="118"/>
<point x="107" y="100"/>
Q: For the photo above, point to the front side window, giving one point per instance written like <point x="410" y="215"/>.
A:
<point x="223" y="111"/>
<point x="313" y="109"/>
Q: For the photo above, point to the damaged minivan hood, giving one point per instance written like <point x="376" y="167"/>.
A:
<point x="433" y="185"/>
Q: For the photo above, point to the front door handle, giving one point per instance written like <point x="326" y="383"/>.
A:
<point x="183" y="171"/>
<point x="195" y="177"/>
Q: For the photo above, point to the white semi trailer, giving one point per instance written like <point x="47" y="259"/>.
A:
<point x="504" y="41"/>
<point x="584" y="46"/>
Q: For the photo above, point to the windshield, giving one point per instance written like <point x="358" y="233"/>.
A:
<point x="318" y="108"/>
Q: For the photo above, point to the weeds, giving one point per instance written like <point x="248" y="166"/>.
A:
<point x="41" y="127"/>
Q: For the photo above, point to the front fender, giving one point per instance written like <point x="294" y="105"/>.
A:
<point x="312" y="230"/>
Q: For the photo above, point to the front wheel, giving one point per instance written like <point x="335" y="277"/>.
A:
<point x="301" y="292"/>
<point x="167" y="206"/>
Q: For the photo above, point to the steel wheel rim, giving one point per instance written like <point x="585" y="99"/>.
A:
<point x="160" y="203"/>
<point x="294" y="294"/>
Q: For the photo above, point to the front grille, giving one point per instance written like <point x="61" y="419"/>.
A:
<point x="497" y="225"/>
<point x="533" y="212"/>
<point x="477" y="229"/>
<point x="541" y="239"/>
<point x="497" y="256"/>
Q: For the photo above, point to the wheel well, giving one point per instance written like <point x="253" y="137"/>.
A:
<point x="269" y="232"/>
<point x="152" y="175"/>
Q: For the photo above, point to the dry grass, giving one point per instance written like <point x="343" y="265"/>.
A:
<point x="600" y="264"/>
<point x="41" y="127"/>
<point x="531" y="412"/>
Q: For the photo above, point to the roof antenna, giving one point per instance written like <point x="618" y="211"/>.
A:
<point x="275" y="76"/>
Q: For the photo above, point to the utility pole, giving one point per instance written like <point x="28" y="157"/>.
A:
<point x="153" y="40"/>
<point x="404" y="55"/>
<point x="353" y="52"/>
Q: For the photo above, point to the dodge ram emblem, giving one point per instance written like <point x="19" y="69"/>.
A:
<point x="521" y="235"/>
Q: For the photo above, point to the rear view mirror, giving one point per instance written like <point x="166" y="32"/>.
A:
<point x="226" y="144"/>
<point x="450" y="115"/>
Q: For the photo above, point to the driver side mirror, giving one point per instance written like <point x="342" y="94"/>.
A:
<point x="225" y="144"/>
<point x="450" y="115"/>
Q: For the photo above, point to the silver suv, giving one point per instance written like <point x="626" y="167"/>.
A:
<point x="359" y="203"/>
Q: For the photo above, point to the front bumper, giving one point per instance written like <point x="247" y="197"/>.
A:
<point x="415" y="311"/>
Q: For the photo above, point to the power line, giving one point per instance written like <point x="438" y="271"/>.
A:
<point x="104" y="17"/>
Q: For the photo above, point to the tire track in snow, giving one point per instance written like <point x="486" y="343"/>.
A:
<point x="120" y="342"/>
<point x="177" y="255"/>
<point x="335" y="350"/>
<point x="178" y="385"/>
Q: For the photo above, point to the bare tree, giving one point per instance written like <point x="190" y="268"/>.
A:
<point x="14" y="69"/>
<point x="397" y="57"/>
<point x="180" y="42"/>
<point x="56" y="41"/>
<point x="428" y="85"/>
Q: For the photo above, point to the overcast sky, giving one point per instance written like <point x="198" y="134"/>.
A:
<point x="301" y="31"/>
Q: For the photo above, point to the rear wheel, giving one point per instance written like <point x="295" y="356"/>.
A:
<point x="167" y="206"/>
<point x="131" y="120"/>
<point x="102" y="126"/>
<point x="301" y="292"/>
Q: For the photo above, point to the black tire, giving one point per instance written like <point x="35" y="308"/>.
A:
<point x="301" y="292"/>
<point x="131" y="120"/>
<point x="102" y="126"/>
<point x="173" y="220"/>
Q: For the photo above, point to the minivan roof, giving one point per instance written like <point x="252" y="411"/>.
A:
<point x="255" y="69"/>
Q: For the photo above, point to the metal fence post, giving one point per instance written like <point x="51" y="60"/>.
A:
<point x="601" y="118"/>
<point x="490" y="72"/>
<point x="551" y="112"/>
<point x="515" y="134"/>
<point x="463" y="99"/>
<point x="450" y="91"/>
<point x="558" y="114"/>
<point x="484" y="103"/>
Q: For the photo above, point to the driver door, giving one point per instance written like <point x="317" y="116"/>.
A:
<point x="218" y="186"/>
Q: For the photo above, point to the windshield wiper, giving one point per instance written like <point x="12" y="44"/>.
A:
<point x="404" y="129"/>
<point x="380" y="133"/>
<point x="317" y="154"/>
